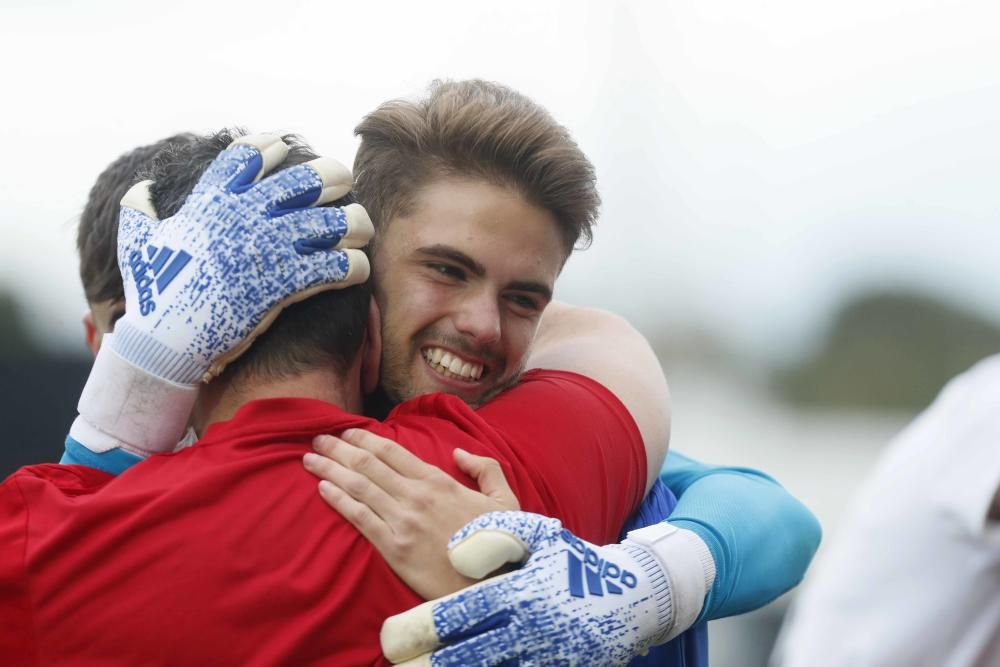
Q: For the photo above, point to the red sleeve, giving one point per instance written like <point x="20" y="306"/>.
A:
<point x="580" y="446"/>
<point x="16" y="627"/>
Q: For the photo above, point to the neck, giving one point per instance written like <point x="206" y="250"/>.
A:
<point x="219" y="400"/>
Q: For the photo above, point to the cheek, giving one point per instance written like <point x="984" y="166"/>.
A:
<point x="406" y="312"/>
<point x="518" y="334"/>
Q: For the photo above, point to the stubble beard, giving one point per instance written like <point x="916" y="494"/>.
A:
<point x="396" y="384"/>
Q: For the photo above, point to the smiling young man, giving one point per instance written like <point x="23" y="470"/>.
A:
<point x="473" y="266"/>
<point x="479" y="196"/>
<point x="222" y="553"/>
<point x="467" y="279"/>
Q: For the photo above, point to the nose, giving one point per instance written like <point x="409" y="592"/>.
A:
<point x="478" y="317"/>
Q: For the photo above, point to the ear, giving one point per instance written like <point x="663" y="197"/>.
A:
<point x="90" y="332"/>
<point x="371" y="350"/>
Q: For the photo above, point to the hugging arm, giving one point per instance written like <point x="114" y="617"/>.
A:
<point x="762" y="538"/>
<point x="406" y="508"/>
<point x="606" y="348"/>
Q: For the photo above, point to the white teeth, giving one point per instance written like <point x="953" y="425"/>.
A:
<point x="451" y="365"/>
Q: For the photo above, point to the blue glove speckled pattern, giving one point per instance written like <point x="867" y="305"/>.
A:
<point x="571" y="603"/>
<point x="202" y="284"/>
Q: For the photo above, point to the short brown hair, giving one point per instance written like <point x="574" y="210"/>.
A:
<point x="480" y="129"/>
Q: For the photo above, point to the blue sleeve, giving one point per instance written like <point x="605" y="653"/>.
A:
<point x="762" y="539"/>
<point x="113" y="462"/>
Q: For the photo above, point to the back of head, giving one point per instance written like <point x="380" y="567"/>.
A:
<point x="325" y="329"/>
<point x="475" y="129"/>
<point x="97" y="235"/>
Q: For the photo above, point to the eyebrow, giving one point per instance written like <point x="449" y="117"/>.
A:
<point x="442" y="251"/>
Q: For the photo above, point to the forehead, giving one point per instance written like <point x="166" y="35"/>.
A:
<point x="491" y="223"/>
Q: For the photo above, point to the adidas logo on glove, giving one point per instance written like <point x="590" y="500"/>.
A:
<point x="155" y="272"/>
<point x="586" y="564"/>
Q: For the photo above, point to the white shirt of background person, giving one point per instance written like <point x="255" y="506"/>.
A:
<point x="913" y="577"/>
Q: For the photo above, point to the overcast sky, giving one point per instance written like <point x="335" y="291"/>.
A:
<point x="758" y="161"/>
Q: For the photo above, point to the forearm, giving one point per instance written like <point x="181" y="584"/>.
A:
<point x="761" y="538"/>
<point x="126" y="414"/>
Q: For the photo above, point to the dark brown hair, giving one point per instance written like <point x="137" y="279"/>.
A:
<point x="481" y="130"/>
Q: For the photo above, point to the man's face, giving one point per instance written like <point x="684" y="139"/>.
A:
<point x="461" y="281"/>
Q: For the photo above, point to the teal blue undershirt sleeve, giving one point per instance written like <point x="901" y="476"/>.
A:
<point x="762" y="539"/>
<point x="113" y="462"/>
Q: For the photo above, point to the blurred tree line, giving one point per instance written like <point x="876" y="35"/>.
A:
<point x="39" y="393"/>
<point x="889" y="350"/>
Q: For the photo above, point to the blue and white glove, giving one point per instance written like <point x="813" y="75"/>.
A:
<point x="572" y="602"/>
<point x="201" y="285"/>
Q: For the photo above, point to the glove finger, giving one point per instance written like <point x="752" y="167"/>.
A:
<point x="336" y="269"/>
<point x="337" y="179"/>
<point x="139" y="199"/>
<point x="428" y="626"/>
<point x="319" y="229"/>
<point x="136" y="221"/>
<point x="318" y="181"/>
<point x="493" y="540"/>
<point x="489" y="649"/>
<point x="244" y="162"/>
<point x="412" y="633"/>
<point x="330" y="269"/>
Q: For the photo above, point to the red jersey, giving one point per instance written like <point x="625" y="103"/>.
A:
<point x="224" y="553"/>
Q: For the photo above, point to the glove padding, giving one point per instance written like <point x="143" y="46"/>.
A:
<point x="571" y="602"/>
<point x="202" y="284"/>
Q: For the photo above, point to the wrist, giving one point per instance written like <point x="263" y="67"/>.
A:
<point x="687" y="565"/>
<point x="124" y="406"/>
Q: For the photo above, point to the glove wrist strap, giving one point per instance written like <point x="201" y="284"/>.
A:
<point x="687" y="564"/>
<point x="142" y="350"/>
<point x="124" y="406"/>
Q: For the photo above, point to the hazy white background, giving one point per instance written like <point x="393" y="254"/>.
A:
<point x="758" y="161"/>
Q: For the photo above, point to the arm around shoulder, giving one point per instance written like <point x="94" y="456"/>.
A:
<point x="606" y="348"/>
<point x="761" y="537"/>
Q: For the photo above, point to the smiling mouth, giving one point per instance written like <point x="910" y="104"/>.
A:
<point x="450" y="365"/>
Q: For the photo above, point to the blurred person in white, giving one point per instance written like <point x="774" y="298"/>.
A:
<point x="913" y="577"/>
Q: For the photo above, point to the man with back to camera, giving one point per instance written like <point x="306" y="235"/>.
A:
<point x="714" y="537"/>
